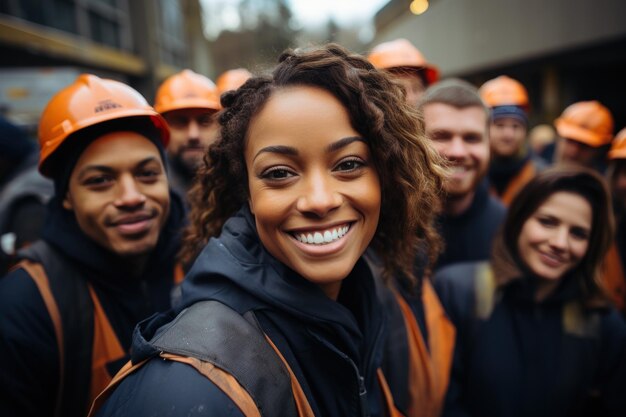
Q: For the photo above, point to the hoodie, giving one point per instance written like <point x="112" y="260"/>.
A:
<point x="516" y="356"/>
<point x="333" y="347"/>
<point x="28" y="345"/>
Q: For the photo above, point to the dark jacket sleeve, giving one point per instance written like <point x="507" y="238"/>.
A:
<point x="169" y="389"/>
<point x="28" y="349"/>
<point x="455" y="286"/>
<point x="612" y="376"/>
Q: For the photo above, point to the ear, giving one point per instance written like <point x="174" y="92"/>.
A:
<point x="67" y="202"/>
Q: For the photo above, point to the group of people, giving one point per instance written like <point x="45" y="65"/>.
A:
<point x="346" y="236"/>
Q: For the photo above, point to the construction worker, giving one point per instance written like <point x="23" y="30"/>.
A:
<point x="293" y="201"/>
<point x="407" y="65"/>
<point x="106" y="258"/>
<point x="188" y="102"/>
<point x="24" y="193"/>
<point x="456" y="121"/>
<point x="615" y="262"/>
<point x="585" y="130"/>
<point x="232" y="79"/>
<point x="512" y="165"/>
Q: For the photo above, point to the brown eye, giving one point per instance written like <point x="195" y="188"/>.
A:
<point x="349" y="165"/>
<point x="277" y="174"/>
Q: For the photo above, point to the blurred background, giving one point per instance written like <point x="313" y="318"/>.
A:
<point x="562" y="50"/>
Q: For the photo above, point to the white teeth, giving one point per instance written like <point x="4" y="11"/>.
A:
<point x="320" y="238"/>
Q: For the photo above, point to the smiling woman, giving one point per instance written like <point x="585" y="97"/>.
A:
<point x="314" y="165"/>
<point x="536" y="331"/>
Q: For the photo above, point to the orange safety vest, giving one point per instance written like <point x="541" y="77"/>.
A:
<point x="106" y="346"/>
<point x="516" y="184"/>
<point x="429" y="370"/>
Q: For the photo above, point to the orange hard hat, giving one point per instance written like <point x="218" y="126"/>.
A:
<point x="89" y="101"/>
<point x="588" y="122"/>
<point x="401" y="54"/>
<point x="187" y="90"/>
<point x="618" y="146"/>
<point x="504" y="91"/>
<point x="232" y="79"/>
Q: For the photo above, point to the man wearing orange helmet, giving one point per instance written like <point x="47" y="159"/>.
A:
<point x="408" y="66"/>
<point x="188" y="102"/>
<point x="615" y="262"/>
<point x="232" y="79"/>
<point x="512" y="164"/>
<point x="585" y="130"/>
<point x="106" y="258"/>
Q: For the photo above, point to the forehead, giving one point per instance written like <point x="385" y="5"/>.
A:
<point x="445" y="116"/>
<point x="188" y="113"/>
<point x="118" y="148"/>
<point x="569" y="207"/>
<point x="507" y="121"/>
<point x="301" y="115"/>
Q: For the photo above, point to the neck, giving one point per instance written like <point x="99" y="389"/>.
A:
<point x="137" y="265"/>
<point x="457" y="205"/>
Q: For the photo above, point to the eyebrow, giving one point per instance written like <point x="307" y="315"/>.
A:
<point x="289" y="150"/>
<point x="108" y="169"/>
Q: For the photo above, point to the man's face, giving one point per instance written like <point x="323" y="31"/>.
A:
<point x="574" y="152"/>
<point x="618" y="181"/>
<point x="506" y="135"/>
<point x="412" y="84"/>
<point x="119" y="193"/>
<point x="460" y="136"/>
<point x="192" y="131"/>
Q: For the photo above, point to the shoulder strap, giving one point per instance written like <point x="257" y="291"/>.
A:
<point x="38" y="275"/>
<point x="484" y="290"/>
<point x="213" y="332"/>
<point x="70" y="292"/>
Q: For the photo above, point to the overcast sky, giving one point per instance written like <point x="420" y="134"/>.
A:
<point x="312" y="12"/>
<point x="308" y="13"/>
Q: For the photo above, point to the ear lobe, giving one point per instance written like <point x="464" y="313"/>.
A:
<point x="67" y="203"/>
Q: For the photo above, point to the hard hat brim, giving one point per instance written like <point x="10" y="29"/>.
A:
<point x="568" y="130"/>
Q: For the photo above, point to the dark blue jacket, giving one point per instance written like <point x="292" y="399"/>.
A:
<point x="28" y="348"/>
<point x="518" y="357"/>
<point x="333" y="347"/>
<point x="468" y="237"/>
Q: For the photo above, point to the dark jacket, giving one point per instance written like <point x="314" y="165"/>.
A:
<point x="468" y="236"/>
<point x="28" y="346"/>
<point x="333" y="347"/>
<point x="23" y="198"/>
<point x="519" y="357"/>
<point x="508" y="176"/>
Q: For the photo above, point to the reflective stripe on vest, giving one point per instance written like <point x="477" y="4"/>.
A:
<point x="429" y="370"/>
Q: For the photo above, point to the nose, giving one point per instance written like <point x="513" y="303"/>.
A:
<point x="560" y="238"/>
<point x="129" y="194"/>
<point x="319" y="196"/>
<point x="456" y="149"/>
<point x="193" y="129"/>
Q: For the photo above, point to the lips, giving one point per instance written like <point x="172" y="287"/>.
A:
<point x="133" y="224"/>
<point x="551" y="260"/>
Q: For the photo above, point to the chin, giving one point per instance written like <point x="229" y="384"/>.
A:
<point x="134" y="249"/>
<point x="325" y="274"/>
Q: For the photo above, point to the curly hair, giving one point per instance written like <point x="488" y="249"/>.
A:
<point x="409" y="169"/>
